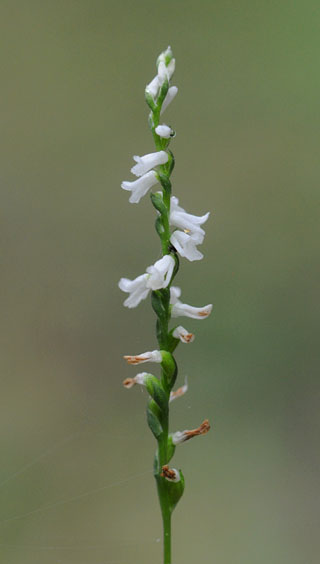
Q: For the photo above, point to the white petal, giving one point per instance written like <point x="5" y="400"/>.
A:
<point x="149" y="161"/>
<point x="160" y="273"/>
<point x="186" y="245"/>
<point x="141" y="186"/>
<point x="185" y="221"/>
<point x="172" y="92"/>
<point x="136" y="288"/>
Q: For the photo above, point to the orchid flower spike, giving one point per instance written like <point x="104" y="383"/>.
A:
<point x="152" y="356"/>
<point x="179" y="308"/>
<point x="180" y="233"/>
<point x="182" y="436"/>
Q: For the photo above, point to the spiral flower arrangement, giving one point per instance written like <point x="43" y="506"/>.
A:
<point x="180" y="233"/>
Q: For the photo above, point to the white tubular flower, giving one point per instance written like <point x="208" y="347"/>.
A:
<point x="150" y="356"/>
<point x="179" y="308"/>
<point x="179" y="392"/>
<point x="186" y="221"/>
<point x="170" y="474"/>
<point x="182" y="436"/>
<point x="171" y="94"/>
<point x="153" y="87"/>
<point x="138" y="379"/>
<point x="182" y="334"/>
<point x="137" y="289"/>
<point x="186" y="244"/>
<point x="149" y="161"/>
<point x="164" y="131"/>
<point x="160" y="273"/>
<point x="140" y="187"/>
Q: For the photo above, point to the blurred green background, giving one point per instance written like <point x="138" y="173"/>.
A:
<point x="75" y="479"/>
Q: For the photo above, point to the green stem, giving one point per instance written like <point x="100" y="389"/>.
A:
<point x="163" y="338"/>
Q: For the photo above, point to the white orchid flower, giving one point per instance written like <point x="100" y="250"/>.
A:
<point x="171" y="94"/>
<point x="186" y="221"/>
<point x="164" y="131"/>
<point x="137" y="289"/>
<point x="179" y="309"/>
<point x="160" y="273"/>
<point x="149" y="161"/>
<point x="140" y="187"/>
<point x="185" y="244"/>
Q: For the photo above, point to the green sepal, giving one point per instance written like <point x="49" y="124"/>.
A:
<point x="159" y="227"/>
<point x="170" y="449"/>
<point x="169" y="366"/>
<point x="153" y="420"/>
<point x="165" y="182"/>
<point x="150" y="101"/>
<point x="171" y="162"/>
<point x="175" y="491"/>
<point x="159" y="304"/>
<point x="157" y="201"/>
<point x="172" y="341"/>
<point x="162" y="94"/>
<point x="157" y="393"/>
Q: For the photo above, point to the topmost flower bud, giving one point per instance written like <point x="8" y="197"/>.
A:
<point x="166" y="57"/>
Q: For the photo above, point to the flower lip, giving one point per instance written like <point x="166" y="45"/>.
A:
<point x="137" y="290"/>
<point x="141" y="186"/>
